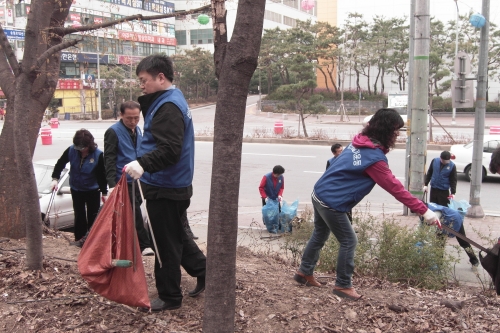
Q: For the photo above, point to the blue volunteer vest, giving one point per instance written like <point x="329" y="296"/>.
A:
<point x="452" y="218"/>
<point x="441" y="178"/>
<point x="180" y="174"/>
<point x="127" y="152"/>
<point x="344" y="184"/>
<point x="83" y="178"/>
<point x="271" y="190"/>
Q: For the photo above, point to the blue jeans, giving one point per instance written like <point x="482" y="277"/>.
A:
<point x="326" y="220"/>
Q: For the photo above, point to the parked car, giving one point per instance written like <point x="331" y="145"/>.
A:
<point x="61" y="213"/>
<point x="462" y="156"/>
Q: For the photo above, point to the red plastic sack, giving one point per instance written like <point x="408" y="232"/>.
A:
<point x="111" y="237"/>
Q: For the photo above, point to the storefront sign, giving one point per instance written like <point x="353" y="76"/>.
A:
<point x="68" y="84"/>
<point x="125" y="60"/>
<point x="14" y="34"/>
<point x="91" y="58"/>
<point x="143" y="38"/>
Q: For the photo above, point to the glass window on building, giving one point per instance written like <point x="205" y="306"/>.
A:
<point x="180" y="35"/>
<point x="127" y="47"/>
<point x="143" y="49"/>
<point x="168" y="50"/>
<point x="289" y="21"/>
<point x="201" y="36"/>
<point x="291" y="3"/>
<point x="154" y="26"/>
<point x="155" y="48"/>
<point x="69" y="70"/>
<point x="272" y="16"/>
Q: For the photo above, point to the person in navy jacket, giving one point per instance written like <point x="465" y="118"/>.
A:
<point x="336" y="150"/>
<point x="121" y="143"/>
<point x="87" y="179"/>
<point x="272" y="185"/>
<point x="344" y="184"/>
<point x="442" y="175"/>
<point x="165" y="166"/>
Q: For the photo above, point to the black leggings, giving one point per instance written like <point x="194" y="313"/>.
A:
<point x="85" y="206"/>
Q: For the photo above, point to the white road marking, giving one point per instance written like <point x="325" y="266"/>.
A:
<point x="255" y="154"/>
<point x="314" y="171"/>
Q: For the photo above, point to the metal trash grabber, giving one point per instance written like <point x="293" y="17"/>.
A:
<point x="149" y="224"/>
<point x="51" y="202"/>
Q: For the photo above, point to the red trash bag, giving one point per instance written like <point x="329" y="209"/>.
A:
<point x="111" y="238"/>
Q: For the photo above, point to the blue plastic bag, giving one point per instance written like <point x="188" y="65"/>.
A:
<point x="460" y="205"/>
<point x="288" y="212"/>
<point x="450" y="217"/>
<point x="270" y="216"/>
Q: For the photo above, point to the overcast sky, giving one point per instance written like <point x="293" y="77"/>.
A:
<point x="444" y="10"/>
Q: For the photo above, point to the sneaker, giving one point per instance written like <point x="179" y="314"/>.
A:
<point x="148" y="252"/>
<point x="78" y="243"/>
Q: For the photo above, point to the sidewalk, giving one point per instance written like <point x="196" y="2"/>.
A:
<point x="489" y="227"/>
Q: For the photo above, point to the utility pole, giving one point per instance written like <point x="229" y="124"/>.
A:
<point x="410" y="96"/>
<point x="454" y="110"/>
<point x="420" y="98"/>
<point x="99" y="111"/>
<point x="477" y="149"/>
<point x="260" y="94"/>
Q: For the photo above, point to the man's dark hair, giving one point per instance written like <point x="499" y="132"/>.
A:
<point x="495" y="161"/>
<point x="383" y="126"/>
<point x="156" y="64"/>
<point x="445" y="155"/>
<point x="278" y="170"/>
<point x="84" y="138"/>
<point x="335" y="147"/>
<point x="129" y="105"/>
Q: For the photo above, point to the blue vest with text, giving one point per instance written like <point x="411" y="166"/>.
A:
<point x="344" y="184"/>
<point x="126" y="152"/>
<point x="180" y="174"/>
<point x="83" y="178"/>
<point x="452" y="218"/>
<point x="441" y="177"/>
<point x="271" y="190"/>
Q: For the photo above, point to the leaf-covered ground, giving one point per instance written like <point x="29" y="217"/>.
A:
<point x="268" y="300"/>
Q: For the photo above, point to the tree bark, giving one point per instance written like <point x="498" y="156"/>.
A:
<point x="234" y="67"/>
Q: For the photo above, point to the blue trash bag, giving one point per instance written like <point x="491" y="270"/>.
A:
<point x="460" y="205"/>
<point x="270" y="216"/>
<point x="288" y="212"/>
<point x="449" y="216"/>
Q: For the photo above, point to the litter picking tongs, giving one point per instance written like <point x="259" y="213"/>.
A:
<point x="51" y="202"/>
<point x="149" y="223"/>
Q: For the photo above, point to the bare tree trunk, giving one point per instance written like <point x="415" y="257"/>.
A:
<point x="325" y="77"/>
<point x="382" y="84"/>
<point x="235" y="63"/>
<point x="301" y="114"/>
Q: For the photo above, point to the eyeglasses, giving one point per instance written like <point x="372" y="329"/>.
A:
<point x="80" y="148"/>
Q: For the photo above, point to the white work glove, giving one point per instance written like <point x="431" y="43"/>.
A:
<point x="104" y="198"/>
<point x="134" y="169"/>
<point x="425" y="189"/>
<point x="451" y="196"/>
<point x="431" y="218"/>
<point x="53" y="185"/>
<point x="265" y="199"/>
<point x="279" y="198"/>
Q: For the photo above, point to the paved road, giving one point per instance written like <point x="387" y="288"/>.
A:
<point x="303" y="164"/>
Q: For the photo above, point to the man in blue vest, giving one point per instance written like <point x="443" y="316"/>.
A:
<point x="442" y="175"/>
<point x="336" y="149"/>
<point x="165" y="165"/>
<point x="272" y="185"/>
<point x="121" y="143"/>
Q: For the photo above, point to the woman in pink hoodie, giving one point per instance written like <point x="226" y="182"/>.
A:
<point x="344" y="184"/>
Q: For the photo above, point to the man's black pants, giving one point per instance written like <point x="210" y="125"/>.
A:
<point x="85" y="206"/>
<point x="175" y="248"/>
<point x="142" y="232"/>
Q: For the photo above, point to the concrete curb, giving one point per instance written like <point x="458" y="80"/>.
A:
<point x="313" y="142"/>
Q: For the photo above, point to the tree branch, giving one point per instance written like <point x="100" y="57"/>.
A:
<point x="66" y="31"/>
<point x="9" y="53"/>
<point x="53" y="50"/>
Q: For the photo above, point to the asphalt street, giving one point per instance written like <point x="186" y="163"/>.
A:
<point x="303" y="164"/>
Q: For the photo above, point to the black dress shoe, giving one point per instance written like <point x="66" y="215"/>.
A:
<point x="200" y="287"/>
<point x="158" y="305"/>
